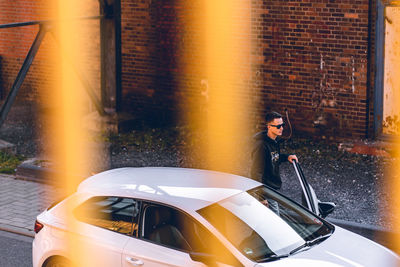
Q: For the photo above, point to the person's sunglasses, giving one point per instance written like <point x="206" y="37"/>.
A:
<point x="278" y="126"/>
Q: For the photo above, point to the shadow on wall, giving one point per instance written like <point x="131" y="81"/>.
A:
<point x="141" y="119"/>
<point x="319" y="125"/>
<point x="151" y="100"/>
<point x="326" y="125"/>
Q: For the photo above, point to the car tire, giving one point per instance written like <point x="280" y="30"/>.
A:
<point x="57" y="262"/>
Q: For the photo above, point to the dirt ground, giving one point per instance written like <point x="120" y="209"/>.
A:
<point x="358" y="184"/>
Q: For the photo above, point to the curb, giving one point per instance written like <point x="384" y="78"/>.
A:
<point x="28" y="171"/>
<point x="375" y="148"/>
<point x="16" y="230"/>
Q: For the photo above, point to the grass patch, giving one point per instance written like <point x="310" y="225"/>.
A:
<point x="9" y="163"/>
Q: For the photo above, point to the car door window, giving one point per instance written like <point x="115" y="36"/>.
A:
<point x="172" y="228"/>
<point x="117" y="214"/>
<point x="161" y="226"/>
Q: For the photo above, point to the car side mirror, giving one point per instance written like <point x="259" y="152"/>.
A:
<point x="207" y="259"/>
<point x="325" y="208"/>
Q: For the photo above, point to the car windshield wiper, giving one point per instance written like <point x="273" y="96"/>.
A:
<point x="273" y="257"/>
<point x="310" y="243"/>
<point x="307" y="245"/>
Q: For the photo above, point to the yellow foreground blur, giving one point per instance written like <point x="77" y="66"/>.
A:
<point x="68" y="137"/>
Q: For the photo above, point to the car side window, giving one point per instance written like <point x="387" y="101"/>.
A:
<point x="160" y="225"/>
<point x="117" y="214"/>
<point x="172" y="228"/>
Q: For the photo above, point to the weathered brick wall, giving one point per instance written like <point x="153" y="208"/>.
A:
<point x="315" y="64"/>
<point x="163" y="61"/>
<point x="16" y="42"/>
<point x="309" y="57"/>
<point x="151" y="31"/>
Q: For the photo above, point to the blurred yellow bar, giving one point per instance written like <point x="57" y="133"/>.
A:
<point x="68" y="137"/>
<point x="391" y="109"/>
<point x="220" y="110"/>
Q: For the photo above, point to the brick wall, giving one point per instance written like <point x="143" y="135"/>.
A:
<point x="151" y="31"/>
<point x="16" y="42"/>
<point x="164" y="66"/>
<point x="315" y="64"/>
<point x="309" y="57"/>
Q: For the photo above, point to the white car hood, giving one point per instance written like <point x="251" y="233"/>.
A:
<point x="343" y="248"/>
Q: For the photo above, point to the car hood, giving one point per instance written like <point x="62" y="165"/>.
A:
<point x="343" y="248"/>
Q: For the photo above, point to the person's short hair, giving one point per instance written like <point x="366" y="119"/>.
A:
<point x="270" y="116"/>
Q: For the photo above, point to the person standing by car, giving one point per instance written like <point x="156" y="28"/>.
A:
<point x="266" y="154"/>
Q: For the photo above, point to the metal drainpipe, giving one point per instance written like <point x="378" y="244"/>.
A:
<point x="379" y="63"/>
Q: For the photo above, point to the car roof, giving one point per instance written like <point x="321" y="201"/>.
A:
<point x="187" y="189"/>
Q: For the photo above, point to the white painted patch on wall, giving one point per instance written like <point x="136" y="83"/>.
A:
<point x="322" y="63"/>
<point x="391" y="90"/>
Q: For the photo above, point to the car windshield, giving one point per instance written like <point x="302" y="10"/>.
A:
<point x="264" y="225"/>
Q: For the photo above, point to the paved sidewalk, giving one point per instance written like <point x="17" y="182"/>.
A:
<point x="21" y="201"/>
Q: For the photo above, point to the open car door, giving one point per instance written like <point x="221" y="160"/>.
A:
<point x="311" y="201"/>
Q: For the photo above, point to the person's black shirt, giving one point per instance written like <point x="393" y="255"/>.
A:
<point x="266" y="159"/>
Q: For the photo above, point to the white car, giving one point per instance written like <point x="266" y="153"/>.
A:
<point x="189" y="217"/>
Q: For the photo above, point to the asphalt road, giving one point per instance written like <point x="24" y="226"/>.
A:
<point x="15" y="250"/>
